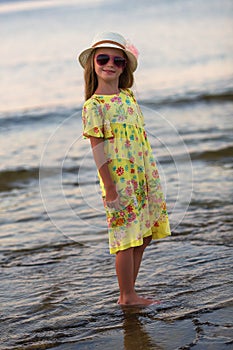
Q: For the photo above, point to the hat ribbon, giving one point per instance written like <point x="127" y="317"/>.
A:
<point x="108" y="42"/>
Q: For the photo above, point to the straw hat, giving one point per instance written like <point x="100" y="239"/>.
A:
<point x="111" y="40"/>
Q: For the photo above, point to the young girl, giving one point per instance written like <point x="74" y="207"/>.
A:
<point x="129" y="179"/>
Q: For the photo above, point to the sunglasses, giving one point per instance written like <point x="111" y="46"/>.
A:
<point x="103" y="59"/>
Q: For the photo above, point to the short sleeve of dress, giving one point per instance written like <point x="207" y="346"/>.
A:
<point x="94" y="123"/>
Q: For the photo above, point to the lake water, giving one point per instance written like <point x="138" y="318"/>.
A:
<point x="58" y="283"/>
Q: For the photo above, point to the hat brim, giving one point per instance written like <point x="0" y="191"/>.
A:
<point x="83" y="57"/>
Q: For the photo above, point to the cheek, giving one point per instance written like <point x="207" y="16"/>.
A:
<point x="97" y="69"/>
<point x="95" y="66"/>
<point x="121" y="71"/>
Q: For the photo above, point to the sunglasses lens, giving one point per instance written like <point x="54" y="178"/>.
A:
<point x="120" y="62"/>
<point x="102" y="59"/>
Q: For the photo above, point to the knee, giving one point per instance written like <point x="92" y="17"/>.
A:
<point x="147" y="240"/>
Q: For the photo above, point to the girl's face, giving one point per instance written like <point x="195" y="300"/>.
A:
<point x="110" y="65"/>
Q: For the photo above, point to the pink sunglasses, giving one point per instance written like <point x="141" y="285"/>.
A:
<point x="103" y="59"/>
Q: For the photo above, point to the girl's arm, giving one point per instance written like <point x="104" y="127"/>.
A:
<point x="97" y="145"/>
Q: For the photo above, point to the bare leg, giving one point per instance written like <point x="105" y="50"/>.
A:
<point x="125" y="274"/>
<point x="138" y="253"/>
<point x="127" y="266"/>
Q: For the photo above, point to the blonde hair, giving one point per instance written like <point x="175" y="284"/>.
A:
<point x="126" y="79"/>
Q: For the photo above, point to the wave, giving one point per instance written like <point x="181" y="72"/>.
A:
<point x="17" y="178"/>
<point x="17" y="257"/>
<point x="214" y="155"/>
<point x="35" y="116"/>
<point x="191" y="97"/>
<point x="222" y="156"/>
<point x="59" y="113"/>
<point x="22" y="177"/>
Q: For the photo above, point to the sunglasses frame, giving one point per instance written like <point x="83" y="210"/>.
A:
<point x="107" y="58"/>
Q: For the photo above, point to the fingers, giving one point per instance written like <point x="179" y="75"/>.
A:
<point x="114" y="204"/>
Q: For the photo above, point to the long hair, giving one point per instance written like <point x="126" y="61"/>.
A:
<point x="126" y="79"/>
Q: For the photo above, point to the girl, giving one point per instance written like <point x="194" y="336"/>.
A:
<point x="131" y="189"/>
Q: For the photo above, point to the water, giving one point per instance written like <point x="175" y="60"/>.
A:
<point x="58" y="284"/>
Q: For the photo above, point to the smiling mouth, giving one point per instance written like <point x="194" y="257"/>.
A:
<point x="108" y="70"/>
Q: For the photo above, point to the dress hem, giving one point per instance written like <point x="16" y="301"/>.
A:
<point x="155" y="236"/>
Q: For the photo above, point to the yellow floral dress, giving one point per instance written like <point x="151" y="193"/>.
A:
<point x="119" y="121"/>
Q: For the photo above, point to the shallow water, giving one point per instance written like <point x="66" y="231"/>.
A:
<point x="58" y="284"/>
<point x="61" y="296"/>
<point x="58" y="279"/>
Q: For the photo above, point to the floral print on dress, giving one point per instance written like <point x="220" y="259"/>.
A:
<point x="119" y="121"/>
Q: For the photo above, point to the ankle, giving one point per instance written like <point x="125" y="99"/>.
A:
<point x="127" y="298"/>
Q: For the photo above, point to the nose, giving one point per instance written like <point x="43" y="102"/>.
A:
<point x="111" y="62"/>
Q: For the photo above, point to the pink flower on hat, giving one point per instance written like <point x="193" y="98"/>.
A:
<point x="130" y="47"/>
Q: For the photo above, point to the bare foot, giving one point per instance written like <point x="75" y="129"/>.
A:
<point x="136" y="300"/>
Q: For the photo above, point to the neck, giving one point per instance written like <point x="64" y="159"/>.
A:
<point x="107" y="88"/>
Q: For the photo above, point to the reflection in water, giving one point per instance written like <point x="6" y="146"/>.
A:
<point x="135" y="335"/>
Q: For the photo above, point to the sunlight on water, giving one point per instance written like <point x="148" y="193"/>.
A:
<point x="172" y="61"/>
<point x="44" y="4"/>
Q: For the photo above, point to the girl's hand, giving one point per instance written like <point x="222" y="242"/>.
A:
<point x="112" y="198"/>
